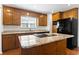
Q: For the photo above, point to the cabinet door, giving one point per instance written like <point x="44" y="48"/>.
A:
<point x="17" y="42"/>
<point x="54" y="29"/>
<point x="48" y="49"/>
<point x="16" y="17"/>
<point x="8" y="42"/>
<point x="73" y="13"/>
<point x="31" y="51"/>
<point x="65" y="14"/>
<point x="42" y="21"/>
<point x="56" y="16"/>
<point x="7" y="15"/>
<point x="61" y="47"/>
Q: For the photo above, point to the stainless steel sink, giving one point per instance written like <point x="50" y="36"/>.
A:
<point x="44" y="35"/>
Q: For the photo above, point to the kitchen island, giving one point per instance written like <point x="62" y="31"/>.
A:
<point x="43" y="44"/>
<point x="10" y="38"/>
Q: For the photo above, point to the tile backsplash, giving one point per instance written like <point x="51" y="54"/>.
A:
<point x="18" y="28"/>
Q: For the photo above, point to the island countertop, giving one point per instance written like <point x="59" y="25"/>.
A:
<point x="28" y="41"/>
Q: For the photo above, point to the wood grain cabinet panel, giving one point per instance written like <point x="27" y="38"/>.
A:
<point x="56" y="16"/>
<point x="53" y="48"/>
<point x="11" y="16"/>
<point x="7" y="15"/>
<point x="17" y="42"/>
<point x="61" y="47"/>
<point x="31" y="51"/>
<point x="16" y="17"/>
<point x="49" y="49"/>
<point x="72" y="13"/>
<point x="8" y="42"/>
<point x="42" y="21"/>
<point x="32" y="14"/>
<point x="65" y="15"/>
<point x="54" y="29"/>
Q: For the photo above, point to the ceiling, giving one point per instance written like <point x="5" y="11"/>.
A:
<point x="45" y="8"/>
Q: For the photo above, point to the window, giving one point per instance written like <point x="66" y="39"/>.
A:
<point x="28" y="22"/>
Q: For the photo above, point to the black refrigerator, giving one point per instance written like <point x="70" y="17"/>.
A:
<point x="69" y="26"/>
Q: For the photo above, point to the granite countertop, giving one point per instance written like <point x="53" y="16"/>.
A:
<point x="28" y="41"/>
<point x="23" y="31"/>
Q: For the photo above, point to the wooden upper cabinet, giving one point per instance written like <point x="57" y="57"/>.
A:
<point x="42" y="20"/>
<point x="56" y="16"/>
<point x="73" y="13"/>
<point x="7" y="15"/>
<point x="11" y="16"/>
<point x="23" y="12"/>
<point x="65" y="15"/>
<point x="16" y="17"/>
<point x="33" y="14"/>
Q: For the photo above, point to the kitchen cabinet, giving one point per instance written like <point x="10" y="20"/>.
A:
<point x="56" y="16"/>
<point x="23" y="12"/>
<point x="42" y="20"/>
<point x="72" y="13"/>
<point x="10" y="42"/>
<point x="61" y="47"/>
<point x="34" y="14"/>
<point x="7" y="15"/>
<point x="53" y="48"/>
<point x="16" y="17"/>
<point x="48" y="49"/>
<point x="17" y="42"/>
<point x="11" y="16"/>
<point x="54" y="29"/>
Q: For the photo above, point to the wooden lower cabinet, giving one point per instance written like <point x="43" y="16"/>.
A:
<point x="48" y="49"/>
<point x="17" y="42"/>
<point x="10" y="42"/>
<point x="61" y="47"/>
<point x="54" y="48"/>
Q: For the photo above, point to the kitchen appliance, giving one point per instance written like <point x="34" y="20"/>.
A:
<point x="69" y="26"/>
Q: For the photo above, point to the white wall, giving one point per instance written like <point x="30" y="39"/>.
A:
<point x="49" y="18"/>
<point x="0" y="29"/>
